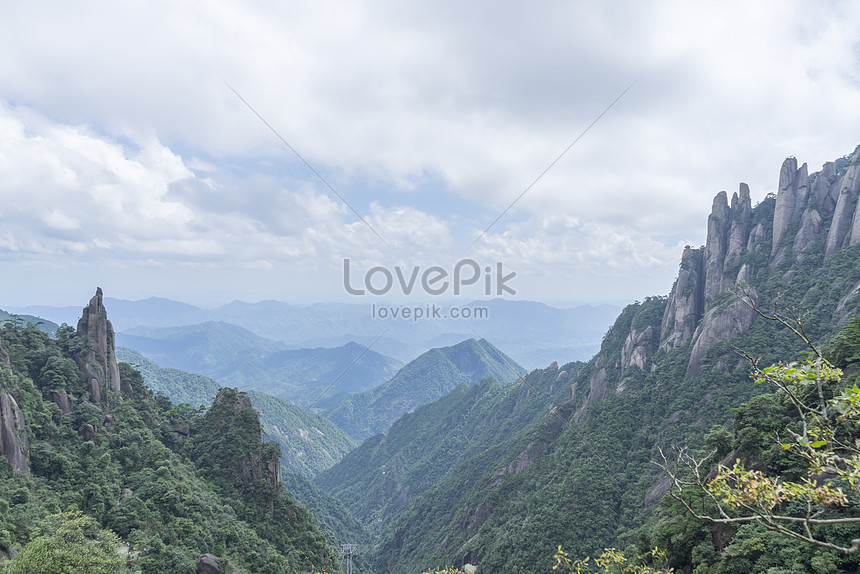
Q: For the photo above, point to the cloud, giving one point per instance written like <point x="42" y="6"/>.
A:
<point x="120" y="138"/>
<point x="69" y="191"/>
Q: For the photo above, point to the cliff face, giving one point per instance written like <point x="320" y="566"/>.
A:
<point x="13" y="440"/>
<point x="96" y="356"/>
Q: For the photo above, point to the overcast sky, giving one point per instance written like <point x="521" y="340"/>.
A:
<point x="127" y="162"/>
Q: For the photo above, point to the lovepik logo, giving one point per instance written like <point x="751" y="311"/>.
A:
<point x="434" y="280"/>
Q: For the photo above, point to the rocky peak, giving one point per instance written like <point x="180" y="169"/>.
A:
<point x="716" y="246"/>
<point x="96" y="355"/>
<point x="803" y="204"/>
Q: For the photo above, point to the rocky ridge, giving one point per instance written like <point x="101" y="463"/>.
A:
<point x="810" y="216"/>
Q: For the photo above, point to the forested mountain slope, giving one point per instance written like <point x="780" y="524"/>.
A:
<point x="377" y="479"/>
<point x="83" y="433"/>
<point x="667" y="371"/>
<point x="309" y="442"/>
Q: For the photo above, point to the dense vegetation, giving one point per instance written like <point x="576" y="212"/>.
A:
<point x="703" y="547"/>
<point x="127" y="465"/>
<point x="377" y="479"/>
<point x="309" y="443"/>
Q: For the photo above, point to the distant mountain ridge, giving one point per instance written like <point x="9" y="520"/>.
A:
<point x="424" y="380"/>
<point x="44" y="325"/>
<point x="236" y="357"/>
<point x="378" y="479"/>
<point x="534" y="334"/>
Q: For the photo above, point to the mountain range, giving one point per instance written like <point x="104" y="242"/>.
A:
<point x="236" y="357"/>
<point x="534" y="334"/>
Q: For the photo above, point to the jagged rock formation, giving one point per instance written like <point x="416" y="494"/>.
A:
<point x="790" y="201"/>
<point x="96" y="356"/>
<point x="810" y="212"/>
<point x="13" y="440"/>
<point x="686" y="303"/>
<point x="666" y="367"/>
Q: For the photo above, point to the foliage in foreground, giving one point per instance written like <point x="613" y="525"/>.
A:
<point x="69" y="542"/>
<point x="613" y="561"/>
<point x="790" y="473"/>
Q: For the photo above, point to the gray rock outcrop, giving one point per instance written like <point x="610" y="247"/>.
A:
<point x="61" y="399"/>
<point x="686" y="303"/>
<point x="848" y="187"/>
<point x="719" y="324"/>
<point x="208" y="564"/>
<point x="804" y="203"/>
<point x="810" y="225"/>
<point x="637" y="347"/>
<point x="13" y="440"/>
<point x="739" y="232"/>
<point x="716" y="246"/>
<point x="96" y="355"/>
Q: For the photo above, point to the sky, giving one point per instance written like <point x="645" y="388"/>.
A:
<point x="207" y="152"/>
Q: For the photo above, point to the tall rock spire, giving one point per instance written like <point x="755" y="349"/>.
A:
<point x="96" y="355"/>
<point x="686" y="302"/>
<point x="740" y="229"/>
<point x="848" y="190"/>
<point x="716" y="246"/>
<point x="13" y="439"/>
<point x="790" y="199"/>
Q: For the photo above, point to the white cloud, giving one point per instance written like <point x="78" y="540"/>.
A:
<point x="135" y="147"/>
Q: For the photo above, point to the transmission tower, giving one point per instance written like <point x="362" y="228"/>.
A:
<point x="347" y="550"/>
